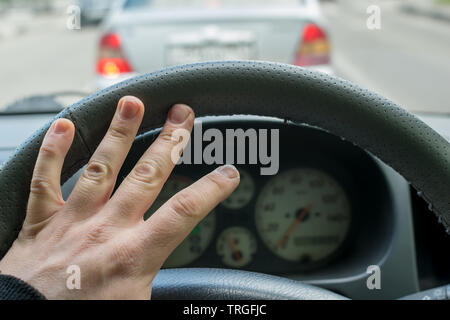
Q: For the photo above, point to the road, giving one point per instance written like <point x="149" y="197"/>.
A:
<point x="46" y="57"/>
<point x="407" y="60"/>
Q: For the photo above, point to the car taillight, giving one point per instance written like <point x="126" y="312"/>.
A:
<point x="111" y="60"/>
<point x="314" y="48"/>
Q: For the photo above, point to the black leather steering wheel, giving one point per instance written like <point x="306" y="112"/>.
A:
<point x="370" y="121"/>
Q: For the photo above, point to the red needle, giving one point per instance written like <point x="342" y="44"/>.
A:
<point x="293" y="225"/>
<point x="235" y="250"/>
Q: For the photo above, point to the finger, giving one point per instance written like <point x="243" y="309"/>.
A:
<point x="45" y="190"/>
<point x="96" y="184"/>
<point x="173" y="222"/>
<point x="141" y="187"/>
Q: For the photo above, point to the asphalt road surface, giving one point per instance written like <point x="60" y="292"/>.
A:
<point x="46" y="57"/>
<point x="407" y="60"/>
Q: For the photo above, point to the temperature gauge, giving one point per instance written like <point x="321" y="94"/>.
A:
<point x="201" y="236"/>
<point x="236" y="246"/>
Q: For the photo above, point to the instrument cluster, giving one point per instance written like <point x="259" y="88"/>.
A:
<point x="301" y="216"/>
<point x="324" y="213"/>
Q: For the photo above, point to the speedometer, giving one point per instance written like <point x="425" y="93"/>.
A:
<point x="199" y="239"/>
<point x="303" y="215"/>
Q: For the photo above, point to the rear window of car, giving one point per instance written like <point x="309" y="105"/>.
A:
<point x="164" y="4"/>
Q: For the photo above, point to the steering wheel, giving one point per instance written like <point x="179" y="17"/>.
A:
<point x="368" y="120"/>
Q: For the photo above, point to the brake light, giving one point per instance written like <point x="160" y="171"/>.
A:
<point x="314" y="48"/>
<point x="112" y="66"/>
<point x="111" y="60"/>
<point x="111" y="41"/>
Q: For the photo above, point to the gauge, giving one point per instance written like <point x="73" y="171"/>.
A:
<point x="236" y="246"/>
<point x="201" y="236"/>
<point x="303" y="215"/>
<point x="243" y="193"/>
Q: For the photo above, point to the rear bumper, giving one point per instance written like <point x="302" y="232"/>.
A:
<point x="102" y="82"/>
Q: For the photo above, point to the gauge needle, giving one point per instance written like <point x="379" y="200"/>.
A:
<point x="293" y="225"/>
<point x="235" y="250"/>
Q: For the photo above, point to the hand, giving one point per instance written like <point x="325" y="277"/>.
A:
<point x="117" y="252"/>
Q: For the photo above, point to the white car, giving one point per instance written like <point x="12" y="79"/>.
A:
<point x="94" y="11"/>
<point x="141" y="36"/>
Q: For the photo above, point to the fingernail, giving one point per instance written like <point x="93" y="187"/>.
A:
<point x="178" y="113"/>
<point x="128" y="108"/>
<point x="228" y="171"/>
<point x="60" y="126"/>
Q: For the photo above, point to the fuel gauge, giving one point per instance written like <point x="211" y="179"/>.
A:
<point x="236" y="246"/>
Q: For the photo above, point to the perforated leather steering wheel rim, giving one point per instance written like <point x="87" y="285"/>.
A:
<point x="368" y="120"/>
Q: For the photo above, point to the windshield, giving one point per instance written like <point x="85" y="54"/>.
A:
<point x="399" y="49"/>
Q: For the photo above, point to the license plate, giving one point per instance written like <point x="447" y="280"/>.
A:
<point x="189" y="54"/>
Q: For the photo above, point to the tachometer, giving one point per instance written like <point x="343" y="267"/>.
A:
<point x="243" y="193"/>
<point x="303" y="215"/>
<point x="196" y="243"/>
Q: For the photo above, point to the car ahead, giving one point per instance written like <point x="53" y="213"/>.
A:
<point x="142" y="36"/>
<point x="94" y="11"/>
